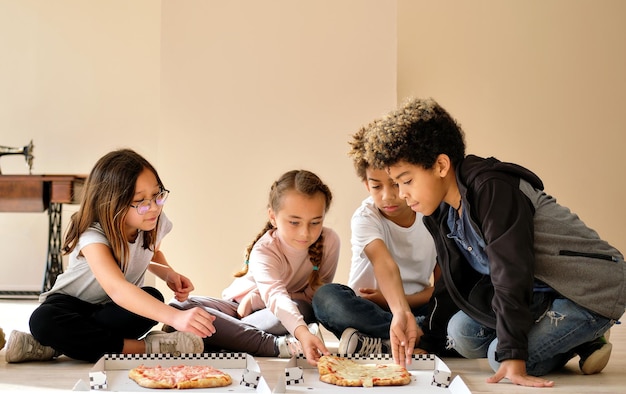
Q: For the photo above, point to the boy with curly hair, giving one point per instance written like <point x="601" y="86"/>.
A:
<point x="524" y="283"/>
<point x="387" y="236"/>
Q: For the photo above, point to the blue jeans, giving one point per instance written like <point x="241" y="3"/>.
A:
<point x="551" y="340"/>
<point x="337" y="307"/>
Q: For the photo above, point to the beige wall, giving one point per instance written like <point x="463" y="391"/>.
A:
<point x="540" y="83"/>
<point x="251" y="90"/>
<point x="79" y="78"/>
<point x="222" y="96"/>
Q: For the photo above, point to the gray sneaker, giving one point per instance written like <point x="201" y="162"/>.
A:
<point x="354" y="342"/>
<point x="24" y="347"/>
<point x="288" y="346"/>
<point x="175" y="343"/>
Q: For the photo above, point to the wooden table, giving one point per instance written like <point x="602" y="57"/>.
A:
<point x="38" y="193"/>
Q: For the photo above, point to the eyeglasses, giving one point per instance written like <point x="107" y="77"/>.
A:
<point x="143" y="206"/>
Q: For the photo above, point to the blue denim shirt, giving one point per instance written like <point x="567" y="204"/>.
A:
<point x="470" y="243"/>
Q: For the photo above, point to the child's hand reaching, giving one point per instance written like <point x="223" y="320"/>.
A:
<point x="195" y="320"/>
<point x="179" y="284"/>
<point x="312" y="346"/>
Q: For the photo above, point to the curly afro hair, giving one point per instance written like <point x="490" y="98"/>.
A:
<point x="418" y="132"/>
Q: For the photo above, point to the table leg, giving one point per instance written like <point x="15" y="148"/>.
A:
<point x="54" y="264"/>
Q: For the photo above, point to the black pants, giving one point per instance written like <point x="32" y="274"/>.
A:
<point x="86" y="331"/>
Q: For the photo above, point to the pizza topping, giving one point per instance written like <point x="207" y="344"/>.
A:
<point x="179" y="376"/>
<point x="344" y="372"/>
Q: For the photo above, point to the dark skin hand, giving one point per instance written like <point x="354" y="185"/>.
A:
<point x="515" y="371"/>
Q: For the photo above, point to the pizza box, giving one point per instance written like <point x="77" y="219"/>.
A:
<point x="110" y="373"/>
<point x="430" y="375"/>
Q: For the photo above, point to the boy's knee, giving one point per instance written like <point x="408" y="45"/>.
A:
<point x="330" y="295"/>
<point x="324" y="293"/>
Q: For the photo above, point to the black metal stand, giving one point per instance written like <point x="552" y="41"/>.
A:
<point x="54" y="265"/>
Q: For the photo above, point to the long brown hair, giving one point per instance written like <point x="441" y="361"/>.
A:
<point x="309" y="184"/>
<point x="107" y="196"/>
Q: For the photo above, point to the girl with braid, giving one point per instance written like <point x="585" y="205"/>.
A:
<point x="267" y="310"/>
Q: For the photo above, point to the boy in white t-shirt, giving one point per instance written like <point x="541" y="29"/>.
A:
<point x="386" y="236"/>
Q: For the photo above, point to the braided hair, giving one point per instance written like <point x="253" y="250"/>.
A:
<point x="309" y="184"/>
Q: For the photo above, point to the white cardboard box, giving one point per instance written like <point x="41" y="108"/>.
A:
<point x="430" y="375"/>
<point x="110" y="373"/>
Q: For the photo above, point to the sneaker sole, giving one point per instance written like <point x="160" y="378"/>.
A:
<point x="345" y="340"/>
<point x="596" y="362"/>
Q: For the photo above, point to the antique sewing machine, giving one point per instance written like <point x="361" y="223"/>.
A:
<point x="27" y="151"/>
<point x="38" y="193"/>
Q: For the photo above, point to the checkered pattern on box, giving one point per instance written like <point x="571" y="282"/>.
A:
<point x="182" y="356"/>
<point x="378" y="357"/>
<point x="96" y="386"/>
<point x="250" y="378"/>
<point x="293" y="376"/>
<point x="245" y="383"/>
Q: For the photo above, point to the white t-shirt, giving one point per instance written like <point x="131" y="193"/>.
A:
<point x="412" y="248"/>
<point x="78" y="279"/>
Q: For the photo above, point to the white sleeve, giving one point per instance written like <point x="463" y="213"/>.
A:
<point x="366" y="227"/>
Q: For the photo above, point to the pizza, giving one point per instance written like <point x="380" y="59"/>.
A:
<point x="341" y="371"/>
<point x="179" y="377"/>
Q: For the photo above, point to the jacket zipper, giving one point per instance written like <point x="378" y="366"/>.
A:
<point x="590" y="255"/>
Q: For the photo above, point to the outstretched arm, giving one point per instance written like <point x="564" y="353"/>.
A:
<point x="404" y="331"/>
<point x="134" y="299"/>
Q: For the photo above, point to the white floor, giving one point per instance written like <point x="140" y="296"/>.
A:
<point x="64" y="373"/>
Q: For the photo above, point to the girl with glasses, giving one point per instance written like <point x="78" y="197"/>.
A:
<point x="99" y="304"/>
<point x="267" y="310"/>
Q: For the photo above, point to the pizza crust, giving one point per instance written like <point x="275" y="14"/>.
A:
<point x="341" y="371"/>
<point x="141" y="376"/>
<point x="179" y="377"/>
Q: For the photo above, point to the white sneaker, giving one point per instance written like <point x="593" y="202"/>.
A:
<point x="289" y="346"/>
<point x="174" y="343"/>
<point x="354" y="342"/>
<point x="24" y="347"/>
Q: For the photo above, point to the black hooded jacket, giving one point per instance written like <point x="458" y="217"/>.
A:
<point x="529" y="238"/>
